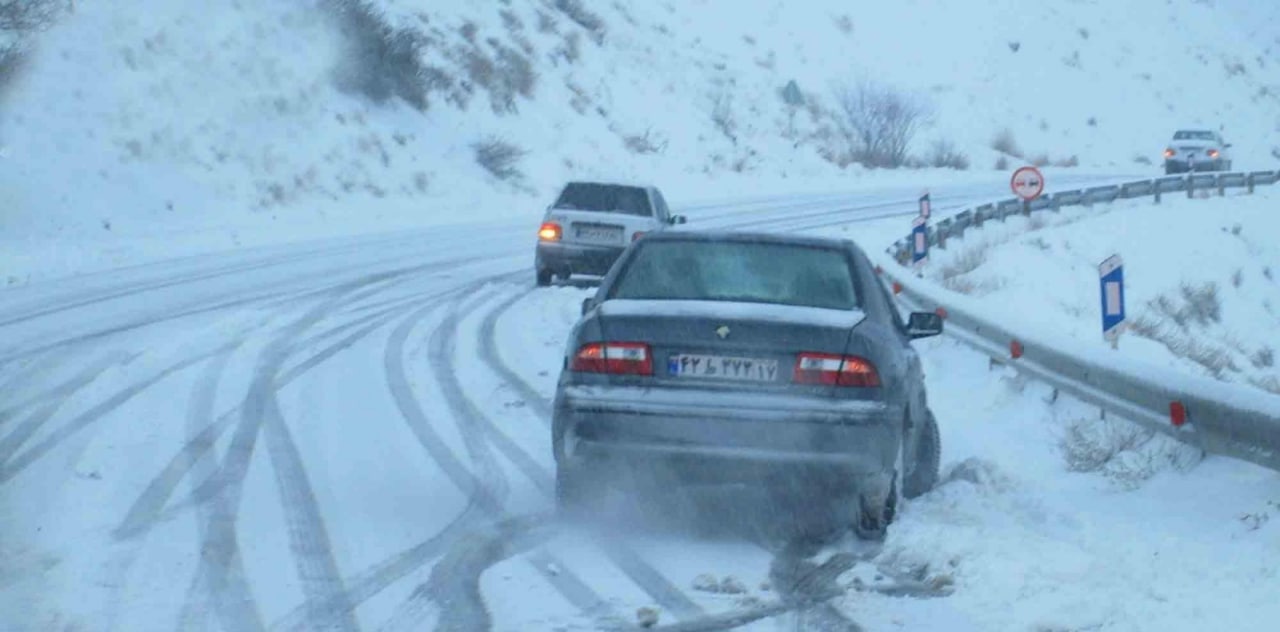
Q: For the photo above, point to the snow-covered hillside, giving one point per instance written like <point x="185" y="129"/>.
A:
<point x="217" y="124"/>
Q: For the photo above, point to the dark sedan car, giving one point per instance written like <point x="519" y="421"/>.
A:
<point x="752" y="359"/>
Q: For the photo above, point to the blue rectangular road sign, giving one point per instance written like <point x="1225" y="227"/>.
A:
<point x="1111" y="285"/>
<point x="919" y="240"/>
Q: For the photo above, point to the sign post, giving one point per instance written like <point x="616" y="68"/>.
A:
<point x="1111" y="284"/>
<point x="919" y="242"/>
<point x="926" y="206"/>
<point x="1027" y="183"/>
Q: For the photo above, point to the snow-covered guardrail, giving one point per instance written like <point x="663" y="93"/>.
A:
<point x="1218" y="417"/>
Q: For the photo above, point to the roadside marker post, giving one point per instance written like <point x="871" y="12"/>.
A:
<point x="1111" y="286"/>
<point x="919" y="242"/>
<point x="926" y="205"/>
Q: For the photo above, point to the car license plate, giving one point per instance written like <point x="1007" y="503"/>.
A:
<point x="598" y="234"/>
<point x="722" y="367"/>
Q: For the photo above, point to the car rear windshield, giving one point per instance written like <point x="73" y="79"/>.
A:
<point x="580" y="196"/>
<point x="739" y="271"/>
<point x="1193" y="135"/>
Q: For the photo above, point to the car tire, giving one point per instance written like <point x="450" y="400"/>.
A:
<point x="922" y="475"/>
<point x="544" y="277"/>
<point x="875" y="515"/>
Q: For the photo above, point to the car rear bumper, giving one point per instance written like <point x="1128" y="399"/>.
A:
<point x="576" y="259"/>
<point x="1182" y="166"/>
<point x="699" y="432"/>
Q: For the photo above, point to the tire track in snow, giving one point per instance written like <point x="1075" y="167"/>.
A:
<point x="631" y="564"/>
<point x="24" y="460"/>
<point x="220" y="547"/>
<point x="48" y="404"/>
<point x="149" y="508"/>
<point x="65" y="389"/>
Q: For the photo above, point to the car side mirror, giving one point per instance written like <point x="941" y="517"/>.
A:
<point x="1226" y="145"/>
<point x="677" y="219"/>
<point x="587" y="305"/>
<point x="923" y="325"/>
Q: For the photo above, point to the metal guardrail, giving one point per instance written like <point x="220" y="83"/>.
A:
<point x="1218" y="417"/>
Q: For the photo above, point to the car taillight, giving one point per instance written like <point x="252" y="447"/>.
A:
<point x="617" y="358"/>
<point x="637" y="235"/>
<point x="1169" y="153"/>
<point x="1213" y="153"/>
<point x="550" y="231"/>
<point x="834" y="370"/>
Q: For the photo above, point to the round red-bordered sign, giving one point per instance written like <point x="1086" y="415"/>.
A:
<point x="1027" y="183"/>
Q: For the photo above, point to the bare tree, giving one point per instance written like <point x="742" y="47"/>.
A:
<point x="879" y="122"/>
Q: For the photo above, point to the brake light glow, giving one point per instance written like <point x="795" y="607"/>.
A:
<point x="638" y="234"/>
<point x="834" y="370"/>
<point x="1170" y="153"/>
<point x="550" y="231"/>
<point x="616" y="358"/>
<point x="1213" y="153"/>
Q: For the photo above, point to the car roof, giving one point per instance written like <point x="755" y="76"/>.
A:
<point x="706" y="236"/>
<point x="607" y="183"/>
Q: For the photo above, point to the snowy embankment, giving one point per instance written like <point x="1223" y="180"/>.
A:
<point x="186" y="127"/>
<point x="1202" y="279"/>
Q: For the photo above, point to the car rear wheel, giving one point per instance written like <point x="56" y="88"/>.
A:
<point x="876" y="514"/>
<point x="544" y="277"/>
<point x="922" y="474"/>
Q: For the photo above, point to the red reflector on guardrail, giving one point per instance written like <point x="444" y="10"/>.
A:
<point x="1177" y="414"/>
<point x="1015" y="349"/>
<point x="897" y="287"/>
<point x="941" y="312"/>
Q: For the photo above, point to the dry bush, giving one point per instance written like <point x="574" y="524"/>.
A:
<point x="878" y="122"/>
<point x="574" y="10"/>
<point x="722" y="115"/>
<point x="506" y="75"/>
<point x="381" y="62"/>
<point x="1070" y="161"/>
<point x="646" y="143"/>
<point x="1141" y="160"/>
<point x="944" y="155"/>
<point x="1002" y="163"/>
<point x="967" y="261"/>
<point x="1004" y="143"/>
<point x="571" y="49"/>
<point x="1041" y="160"/>
<point x="1264" y="358"/>
<point x="28" y="16"/>
<point x="499" y="158"/>
<point x="1122" y="451"/>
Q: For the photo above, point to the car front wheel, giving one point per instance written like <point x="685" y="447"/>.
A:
<point x="544" y="277"/>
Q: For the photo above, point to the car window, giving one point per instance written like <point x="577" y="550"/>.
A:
<point x="739" y="271"/>
<point x="581" y="196"/>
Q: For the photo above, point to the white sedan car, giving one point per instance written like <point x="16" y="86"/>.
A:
<point x="591" y="223"/>
<point x="1197" y="150"/>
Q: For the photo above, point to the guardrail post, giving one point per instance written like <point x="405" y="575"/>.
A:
<point x="942" y="237"/>
<point x="1156" y="186"/>
<point x="1222" y="187"/>
<point x="1053" y="204"/>
<point x="1191" y="185"/>
<point x="1248" y="183"/>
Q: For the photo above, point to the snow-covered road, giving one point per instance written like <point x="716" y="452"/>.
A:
<point x="353" y="435"/>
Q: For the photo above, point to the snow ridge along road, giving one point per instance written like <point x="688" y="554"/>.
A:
<point x="352" y="437"/>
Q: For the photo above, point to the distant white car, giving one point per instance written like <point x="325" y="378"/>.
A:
<point x="591" y="223"/>
<point x="1197" y="150"/>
